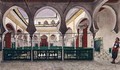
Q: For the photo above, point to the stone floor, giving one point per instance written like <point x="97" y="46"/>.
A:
<point x="96" y="64"/>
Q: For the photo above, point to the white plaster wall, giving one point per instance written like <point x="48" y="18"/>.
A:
<point x="44" y="19"/>
<point x="20" y="21"/>
<point x="19" y="28"/>
<point x="7" y="20"/>
<point x="105" y="23"/>
<point x="78" y="19"/>
<point x="89" y="41"/>
<point x="68" y="38"/>
<point x="76" y="22"/>
<point x="71" y="24"/>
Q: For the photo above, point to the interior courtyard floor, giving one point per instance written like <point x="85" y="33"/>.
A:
<point x="96" y="64"/>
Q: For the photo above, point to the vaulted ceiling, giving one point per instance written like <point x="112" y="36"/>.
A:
<point x="73" y="14"/>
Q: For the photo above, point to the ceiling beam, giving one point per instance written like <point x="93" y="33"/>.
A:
<point x="74" y="16"/>
<point x="15" y="20"/>
<point x="17" y="12"/>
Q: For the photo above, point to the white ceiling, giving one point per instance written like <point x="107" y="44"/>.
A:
<point x="24" y="14"/>
<point x="46" y="13"/>
<point x="71" y="13"/>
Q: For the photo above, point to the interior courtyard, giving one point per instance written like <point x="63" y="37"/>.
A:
<point x="58" y="34"/>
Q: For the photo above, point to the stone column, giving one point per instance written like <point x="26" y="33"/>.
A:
<point x="74" y="39"/>
<point x="63" y="48"/>
<point x="39" y="40"/>
<point x="31" y="29"/>
<point x="63" y="30"/>
<point x="16" y="41"/>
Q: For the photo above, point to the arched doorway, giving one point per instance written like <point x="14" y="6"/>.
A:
<point x="18" y="19"/>
<point x="53" y="40"/>
<point x="83" y="27"/>
<point x="44" y="41"/>
<point x="9" y="35"/>
<point x="77" y="18"/>
<point x="47" y="22"/>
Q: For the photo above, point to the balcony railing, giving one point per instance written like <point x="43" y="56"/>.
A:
<point x="47" y="53"/>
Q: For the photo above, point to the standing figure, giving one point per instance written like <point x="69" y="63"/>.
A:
<point x="115" y="50"/>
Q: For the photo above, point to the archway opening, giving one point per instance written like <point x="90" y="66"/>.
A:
<point x="18" y="22"/>
<point x="106" y="21"/>
<point x="83" y="27"/>
<point x="79" y="20"/>
<point x="53" y="39"/>
<point x="44" y="40"/>
<point x="47" y="22"/>
<point x="9" y="36"/>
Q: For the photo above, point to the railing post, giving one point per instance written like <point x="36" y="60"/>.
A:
<point x="62" y="47"/>
<point x="93" y="44"/>
<point x="31" y="48"/>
